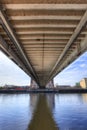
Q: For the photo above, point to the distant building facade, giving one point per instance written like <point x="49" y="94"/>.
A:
<point x="83" y="83"/>
<point x="63" y="86"/>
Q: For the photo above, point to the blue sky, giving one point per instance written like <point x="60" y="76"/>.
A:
<point x="12" y="74"/>
<point x="74" y="72"/>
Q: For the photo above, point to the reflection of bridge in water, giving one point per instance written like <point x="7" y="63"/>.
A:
<point x="42" y="117"/>
<point x="42" y="37"/>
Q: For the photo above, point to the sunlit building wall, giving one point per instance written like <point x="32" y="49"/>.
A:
<point x="83" y="83"/>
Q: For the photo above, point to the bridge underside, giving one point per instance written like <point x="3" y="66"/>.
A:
<point x="41" y="36"/>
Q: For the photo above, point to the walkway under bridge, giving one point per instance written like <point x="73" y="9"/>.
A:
<point x="43" y="36"/>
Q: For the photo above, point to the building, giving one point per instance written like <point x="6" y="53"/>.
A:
<point x="63" y="86"/>
<point x="83" y="83"/>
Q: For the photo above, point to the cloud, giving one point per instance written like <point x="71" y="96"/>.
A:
<point x="82" y="65"/>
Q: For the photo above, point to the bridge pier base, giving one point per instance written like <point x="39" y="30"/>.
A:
<point x="42" y="87"/>
<point x="35" y="85"/>
<point x="50" y="84"/>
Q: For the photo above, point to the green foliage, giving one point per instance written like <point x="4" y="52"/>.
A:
<point x="78" y="85"/>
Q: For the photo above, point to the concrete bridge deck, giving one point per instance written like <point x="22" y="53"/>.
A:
<point x="43" y="36"/>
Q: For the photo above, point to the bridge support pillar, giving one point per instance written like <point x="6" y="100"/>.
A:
<point x="35" y="85"/>
<point x="50" y="84"/>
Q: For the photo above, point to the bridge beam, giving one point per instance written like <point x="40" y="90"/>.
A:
<point x="73" y="56"/>
<point x="7" y="27"/>
<point x="74" y="36"/>
<point x="47" y="6"/>
<point x="8" y="51"/>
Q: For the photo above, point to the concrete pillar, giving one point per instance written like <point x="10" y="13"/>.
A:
<point x="50" y="84"/>
<point x="33" y="84"/>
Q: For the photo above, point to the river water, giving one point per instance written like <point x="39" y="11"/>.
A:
<point x="43" y="111"/>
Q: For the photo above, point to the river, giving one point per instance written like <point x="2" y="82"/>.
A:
<point x="43" y="111"/>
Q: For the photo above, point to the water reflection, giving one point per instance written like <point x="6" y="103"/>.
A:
<point x="51" y="100"/>
<point x="33" y="101"/>
<point x="15" y="111"/>
<point x="70" y="111"/>
<point x="42" y="117"/>
<point x="43" y="112"/>
<point x="84" y="96"/>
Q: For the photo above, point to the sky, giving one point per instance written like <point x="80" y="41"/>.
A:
<point x="11" y="74"/>
<point x="74" y="72"/>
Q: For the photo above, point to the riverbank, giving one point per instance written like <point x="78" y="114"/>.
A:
<point x="45" y="91"/>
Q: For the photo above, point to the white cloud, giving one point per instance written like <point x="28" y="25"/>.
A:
<point x="82" y="65"/>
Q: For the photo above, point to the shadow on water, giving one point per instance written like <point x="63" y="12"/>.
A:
<point x="42" y="117"/>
